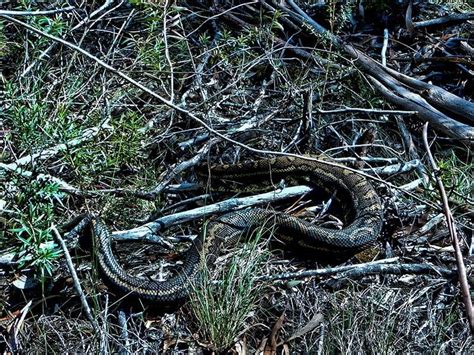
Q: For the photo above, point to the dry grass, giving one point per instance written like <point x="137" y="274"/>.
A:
<point x="384" y="319"/>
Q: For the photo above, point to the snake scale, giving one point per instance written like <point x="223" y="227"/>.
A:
<point x="362" y="229"/>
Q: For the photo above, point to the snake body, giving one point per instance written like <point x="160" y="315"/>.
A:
<point x="364" y="227"/>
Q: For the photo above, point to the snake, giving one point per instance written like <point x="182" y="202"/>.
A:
<point x="355" y="191"/>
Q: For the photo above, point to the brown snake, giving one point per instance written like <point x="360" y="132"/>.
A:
<point x="363" y="228"/>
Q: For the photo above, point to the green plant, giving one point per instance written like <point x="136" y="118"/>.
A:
<point x="34" y="122"/>
<point x="223" y="300"/>
<point x="457" y="176"/>
<point x="117" y="148"/>
<point x="34" y="241"/>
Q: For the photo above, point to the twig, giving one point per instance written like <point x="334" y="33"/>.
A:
<point x="404" y="97"/>
<point x="410" y="148"/>
<point x="367" y="159"/>
<point x="466" y="295"/>
<point x="165" y="179"/>
<point x="124" y="340"/>
<point x="436" y="95"/>
<point x="178" y="169"/>
<point x="409" y="17"/>
<point x="192" y="141"/>
<point x="365" y="110"/>
<point x="75" y="278"/>
<point x="433" y="222"/>
<point x="467" y="48"/>
<point x="103" y="339"/>
<point x="384" y="47"/>
<point x="167" y="52"/>
<point x="35" y="13"/>
<point x="372" y="268"/>
<point x="13" y="343"/>
<point x="17" y="166"/>
<point x="7" y="259"/>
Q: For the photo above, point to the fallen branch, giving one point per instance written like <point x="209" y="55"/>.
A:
<point x="14" y="331"/>
<point x="219" y="207"/>
<point x="365" y="110"/>
<point x="445" y="19"/>
<point x="17" y="167"/>
<point x="437" y="95"/>
<point x="87" y="134"/>
<point x="426" y="112"/>
<point x="406" y="92"/>
<point x="36" y="13"/>
<point x="63" y="185"/>
<point x="410" y="149"/>
<point x="124" y="338"/>
<point x="379" y="267"/>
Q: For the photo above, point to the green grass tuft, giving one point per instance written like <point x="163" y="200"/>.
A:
<point x="223" y="301"/>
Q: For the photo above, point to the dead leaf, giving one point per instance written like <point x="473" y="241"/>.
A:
<point x="271" y="347"/>
<point x="308" y="327"/>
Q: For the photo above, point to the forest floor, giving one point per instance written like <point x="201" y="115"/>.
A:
<point x="108" y="107"/>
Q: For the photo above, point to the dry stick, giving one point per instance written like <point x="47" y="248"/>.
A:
<point x="409" y="17"/>
<point x="124" y="339"/>
<point x="410" y="148"/>
<point x="35" y="13"/>
<point x="415" y="101"/>
<point x="63" y="185"/>
<point x="194" y="117"/>
<point x="19" y="324"/>
<point x="103" y="339"/>
<point x="88" y="134"/>
<point x="385" y="266"/>
<point x="16" y="166"/>
<point x="427" y="113"/>
<point x="467" y="48"/>
<point x="167" y="52"/>
<point x="466" y="295"/>
<point x="395" y="168"/>
<point x="384" y="47"/>
<point x="77" y="283"/>
<point x="7" y="259"/>
<point x="164" y="181"/>
<point x="445" y="19"/>
<point x="365" y="110"/>
<point x="437" y="95"/>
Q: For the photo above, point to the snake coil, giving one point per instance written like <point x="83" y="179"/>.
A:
<point x="362" y="230"/>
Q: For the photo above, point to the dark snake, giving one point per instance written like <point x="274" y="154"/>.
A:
<point x="363" y="228"/>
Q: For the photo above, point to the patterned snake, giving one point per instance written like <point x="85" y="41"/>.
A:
<point x="363" y="228"/>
